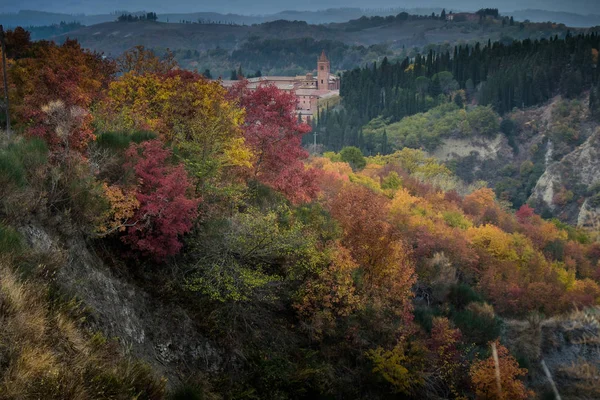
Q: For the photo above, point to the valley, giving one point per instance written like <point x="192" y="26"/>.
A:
<point x="355" y="207"/>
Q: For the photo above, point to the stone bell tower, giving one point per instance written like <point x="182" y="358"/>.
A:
<point x="323" y="68"/>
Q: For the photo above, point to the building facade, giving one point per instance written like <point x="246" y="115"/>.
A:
<point x="308" y="88"/>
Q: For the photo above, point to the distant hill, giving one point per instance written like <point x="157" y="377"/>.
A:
<point x="569" y="19"/>
<point x="264" y="7"/>
<point x="38" y="18"/>
<point x="290" y="47"/>
<point x="326" y="16"/>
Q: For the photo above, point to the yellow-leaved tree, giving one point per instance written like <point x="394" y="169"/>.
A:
<point x="185" y="109"/>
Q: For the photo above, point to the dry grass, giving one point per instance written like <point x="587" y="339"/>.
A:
<point x="583" y="378"/>
<point x="45" y="354"/>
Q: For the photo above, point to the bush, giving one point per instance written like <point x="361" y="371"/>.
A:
<point x="11" y="170"/>
<point x="484" y="121"/>
<point x="478" y="324"/>
<point x="113" y="140"/>
<point x="353" y="156"/>
<point x="461" y="295"/>
<point x="20" y="159"/>
<point x="142" y="136"/>
<point x="10" y="240"/>
<point x="122" y="140"/>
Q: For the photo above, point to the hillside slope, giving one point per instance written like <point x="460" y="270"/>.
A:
<point x="293" y="45"/>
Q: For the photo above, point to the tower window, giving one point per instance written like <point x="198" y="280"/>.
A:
<point x="322" y="67"/>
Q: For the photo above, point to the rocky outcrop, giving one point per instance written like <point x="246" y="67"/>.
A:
<point x="161" y="334"/>
<point x="577" y="172"/>
<point x="485" y="148"/>
<point x="568" y="345"/>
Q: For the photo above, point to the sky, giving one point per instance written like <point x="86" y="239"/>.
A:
<point x="254" y="7"/>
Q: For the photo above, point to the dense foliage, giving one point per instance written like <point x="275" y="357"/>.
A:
<point x="503" y="76"/>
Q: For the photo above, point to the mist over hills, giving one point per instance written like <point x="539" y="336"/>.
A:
<point x="332" y="15"/>
<point x="261" y="7"/>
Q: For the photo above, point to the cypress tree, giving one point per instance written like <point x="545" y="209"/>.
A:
<point x="384" y="143"/>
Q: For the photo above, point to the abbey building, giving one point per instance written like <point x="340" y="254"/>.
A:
<point x="308" y="88"/>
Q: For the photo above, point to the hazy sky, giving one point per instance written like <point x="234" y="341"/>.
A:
<point x="271" y="6"/>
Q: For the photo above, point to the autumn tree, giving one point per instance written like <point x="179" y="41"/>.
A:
<point x="331" y="294"/>
<point x="123" y="205"/>
<point x="18" y="43"/>
<point x="274" y="134"/>
<point x="403" y="366"/>
<point x="185" y="109"/>
<point x="46" y="74"/>
<point x="167" y="209"/>
<point x="444" y="349"/>
<point x="140" y="60"/>
<point x="484" y="380"/>
<point x="376" y="246"/>
<point x="479" y="201"/>
<point x="65" y="128"/>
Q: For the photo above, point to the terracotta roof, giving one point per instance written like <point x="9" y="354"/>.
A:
<point x="313" y="92"/>
<point x="323" y="57"/>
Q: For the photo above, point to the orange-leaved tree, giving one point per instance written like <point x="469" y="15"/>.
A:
<point x="485" y="381"/>
<point x="376" y="247"/>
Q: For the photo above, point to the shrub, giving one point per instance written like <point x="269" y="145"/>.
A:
<point x="478" y="324"/>
<point x="462" y="295"/>
<point x="122" y="140"/>
<point x="11" y="170"/>
<point x="353" y="156"/>
<point x="10" y="240"/>
<point x="113" y="140"/>
<point x="20" y="159"/>
<point x="484" y="121"/>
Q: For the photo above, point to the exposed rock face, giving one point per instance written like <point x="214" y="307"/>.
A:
<point x="161" y="334"/>
<point x="485" y="148"/>
<point x="569" y="346"/>
<point x="578" y="169"/>
<point x="589" y="216"/>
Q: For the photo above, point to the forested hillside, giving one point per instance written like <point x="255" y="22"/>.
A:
<point x="162" y="237"/>
<point x="533" y="102"/>
<point x="288" y="47"/>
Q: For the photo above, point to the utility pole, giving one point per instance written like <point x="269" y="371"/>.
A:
<point x="6" y="104"/>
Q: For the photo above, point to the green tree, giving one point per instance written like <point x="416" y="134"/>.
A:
<point x="353" y="156"/>
<point x="384" y="143"/>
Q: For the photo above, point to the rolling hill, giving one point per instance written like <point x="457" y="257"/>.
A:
<point x="287" y="47"/>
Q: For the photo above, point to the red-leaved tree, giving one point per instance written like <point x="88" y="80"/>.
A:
<point x="166" y="208"/>
<point x="44" y="74"/>
<point x="274" y="134"/>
